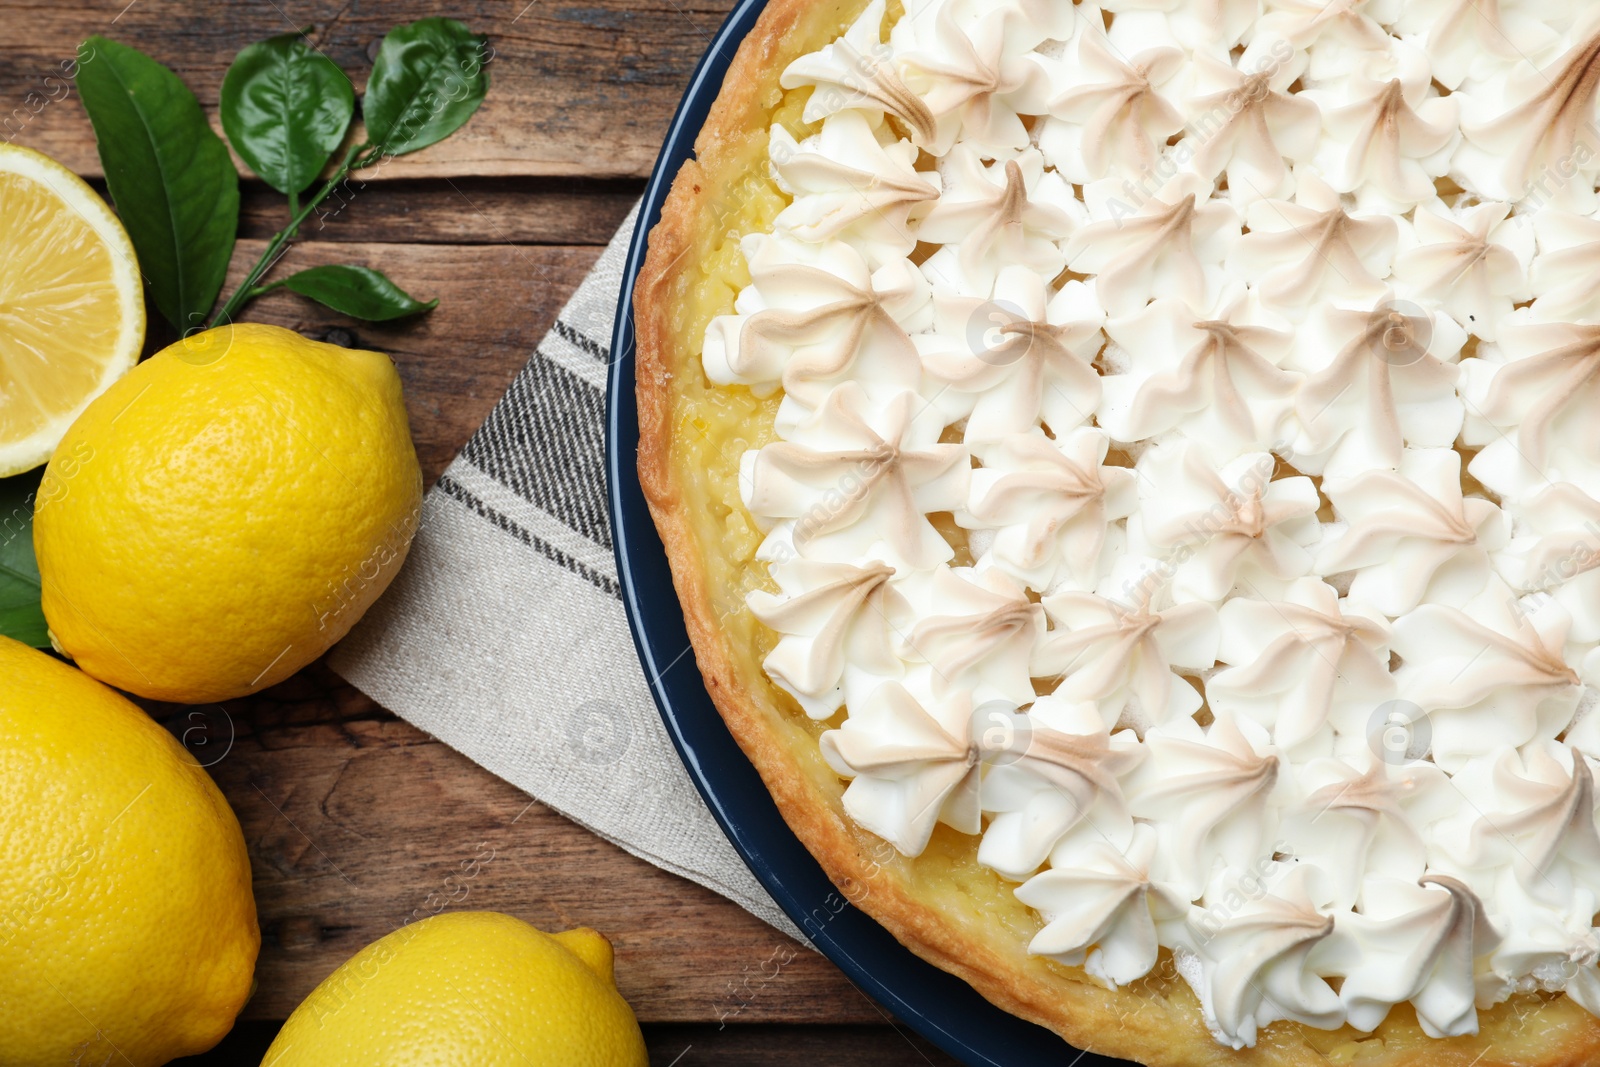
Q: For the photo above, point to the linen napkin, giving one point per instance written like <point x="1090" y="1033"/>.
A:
<point x="504" y="635"/>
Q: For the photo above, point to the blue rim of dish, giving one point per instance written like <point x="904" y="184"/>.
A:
<point x="939" y="1006"/>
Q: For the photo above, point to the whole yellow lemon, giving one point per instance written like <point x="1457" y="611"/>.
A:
<point x="224" y="513"/>
<point x="127" y="929"/>
<point x="467" y="987"/>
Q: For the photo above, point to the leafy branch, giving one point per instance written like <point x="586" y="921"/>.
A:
<point x="286" y="109"/>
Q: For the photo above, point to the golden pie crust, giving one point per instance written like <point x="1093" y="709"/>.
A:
<point x="942" y="905"/>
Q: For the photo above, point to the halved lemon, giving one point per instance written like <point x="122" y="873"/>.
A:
<point x="71" y="307"/>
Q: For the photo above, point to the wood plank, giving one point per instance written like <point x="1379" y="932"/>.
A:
<point x="460" y="211"/>
<point x="579" y="87"/>
<point x="358" y="828"/>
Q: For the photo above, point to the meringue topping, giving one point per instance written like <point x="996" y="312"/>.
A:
<point x="1253" y="128"/>
<point x="1120" y="654"/>
<point x="876" y="486"/>
<point x="1205" y="790"/>
<point x="993" y="215"/>
<point x="1218" y="381"/>
<point x="846" y="184"/>
<point x="1417" y="942"/>
<point x="1388" y="385"/>
<point x="1299" y="253"/>
<point x="1534" y="391"/>
<point x="1100" y="908"/>
<point x="982" y="640"/>
<point x="857" y="71"/>
<point x="1474" y="267"/>
<point x="1386" y="140"/>
<point x="1486" y="674"/>
<point x="1259" y="965"/>
<point x="1051" y="505"/>
<point x="1543" y="129"/>
<point x="1185" y="482"/>
<point x="1111" y="114"/>
<point x="912" y="763"/>
<point x="1162" y="250"/>
<point x="1302" y="662"/>
<point x="832" y="616"/>
<point x="1007" y="365"/>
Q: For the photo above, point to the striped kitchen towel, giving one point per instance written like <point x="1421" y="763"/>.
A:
<point x="504" y="635"/>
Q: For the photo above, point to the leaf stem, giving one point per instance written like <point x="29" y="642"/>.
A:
<point x="263" y="290"/>
<point x="249" y="288"/>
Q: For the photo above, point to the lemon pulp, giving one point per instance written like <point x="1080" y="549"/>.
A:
<point x="71" y="308"/>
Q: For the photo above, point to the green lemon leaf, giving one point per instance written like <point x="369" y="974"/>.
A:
<point x="20" y="615"/>
<point x="359" y="292"/>
<point x="428" y="79"/>
<point x="285" y="108"/>
<point x="170" y="175"/>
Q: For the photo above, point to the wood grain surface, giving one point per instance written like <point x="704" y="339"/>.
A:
<point x="578" y="88"/>
<point x="357" y="822"/>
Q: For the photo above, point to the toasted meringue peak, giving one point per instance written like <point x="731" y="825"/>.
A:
<point x="1206" y="790"/>
<point x="1226" y="528"/>
<point x="1248" y="127"/>
<point x="857" y="475"/>
<point x="1302" y="662"/>
<point x="1120" y="654"/>
<point x="1051" y="505"/>
<point x="1565" y="277"/>
<point x="1474" y="266"/>
<point x="1410" y="534"/>
<point x="1298" y="254"/>
<point x="1554" y="553"/>
<point x="1162" y="249"/>
<point x="1110" y="114"/>
<point x="1389" y="142"/>
<point x="993" y="215"/>
<point x="1361" y="818"/>
<point x="815" y="316"/>
<point x="867" y="201"/>
<point x="1218" y="380"/>
<point x="1259" y="967"/>
<point x="1011" y="363"/>
<point x="857" y="71"/>
<point x="1543" y="393"/>
<point x="1474" y="37"/>
<point x="1485" y="674"/>
<point x="1390" y="383"/>
<point x="1416" y="941"/>
<point x="833" y="617"/>
<point x="1534" y="816"/>
<point x="1556" y="109"/>
<point x="913" y="764"/>
<point x="1062" y="775"/>
<point x="1100" y="907"/>
<point x="981" y="640"/>
<point x="973" y="66"/>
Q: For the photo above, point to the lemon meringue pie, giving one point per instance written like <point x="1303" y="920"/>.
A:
<point x="1132" y="476"/>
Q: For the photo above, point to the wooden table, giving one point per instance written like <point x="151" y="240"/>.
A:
<point x="355" y="819"/>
